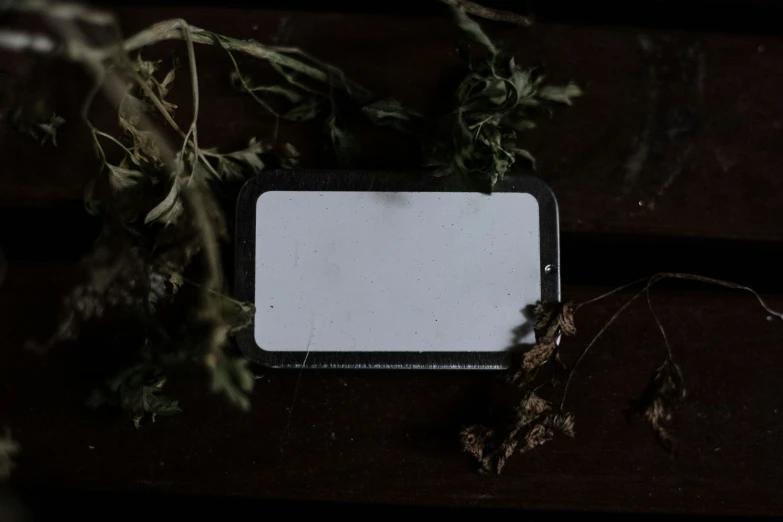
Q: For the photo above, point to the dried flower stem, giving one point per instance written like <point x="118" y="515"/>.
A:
<point x="173" y="30"/>
<point x="496" y="15"/>
<point x="650" y="282"/>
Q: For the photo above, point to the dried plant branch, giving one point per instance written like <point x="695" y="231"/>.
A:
<point x="496" y="15"/>
<point x="114" y="278"/>
<point x="663" y="394"/>
<point x="650" y="282"/>
<point x="173" y="30"/>
<point x="497" y="99"/>
<point x="597" y="336"/>
<point x="252" y="93"/>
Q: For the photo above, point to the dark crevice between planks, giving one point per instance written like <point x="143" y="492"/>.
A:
<point x="50" y="504"/>
<point x="67" y="232"/>
<point x="731" y="16"/>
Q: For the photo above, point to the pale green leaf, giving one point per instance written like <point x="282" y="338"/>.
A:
<point x="121" y="178"/>
<point x="561" y="94"/>
<point x="344" y="144"/>
<point x="289" y="94"/>
<point x="473" y="29"/>
<point x="49" y="129"/>
<point x="168" y="209"/>
<point x="233" y="378"/>
<point x="383" y="112"/>
<point x="305" y="111"/>
<point x="157" y="404"/>
<point x="165" y="85"/>
<point x="525" y="154"/>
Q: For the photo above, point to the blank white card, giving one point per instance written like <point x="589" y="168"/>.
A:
<point x="394" y="271"/>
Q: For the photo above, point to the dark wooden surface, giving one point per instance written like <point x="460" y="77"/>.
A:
<point x="699" y="110"/>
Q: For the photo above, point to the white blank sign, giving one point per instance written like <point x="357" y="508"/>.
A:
<point x="394" y="271"/>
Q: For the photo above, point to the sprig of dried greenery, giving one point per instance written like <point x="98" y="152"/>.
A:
<point x="536" y="420"/>
<point x="41" y="131"/>
<point x="496" y="100"/>
<point x="136" y="269"/>
<point x="490" y="14"/>
<point x="158" y="201"/>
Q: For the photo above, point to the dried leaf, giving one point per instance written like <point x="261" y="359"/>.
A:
<point x="473" y="29"/>
<point x="145" y="68"/>
<point x="476" y="440"/>
<point x="305" y="111"/>
<point x="289" y="156"/>
<point x="49" y="129"/>
<point x="530" y="408"/>
<point x="560" y="94"/>
<point x="138" y="391"/>
<point x="145" y="146"/>
<point x="165" y="85"/>
<point x="391" y="112"/>
<point x="554" y="318"/>
<point x="538" y="355"/>
<point x="495" y="99"/>
<point x="121" y="178"/>
<point x="344" y="144"/>
<point x="534" y="425"/>
<point x="232" y="377"/>
<point x="525" y="154"/>
<point x="232" y="166"/>
<point x="662" y="395"/>
<point x="167" y="210"/>
<point x="8" y="448"/>
<point x="564" y="423"/>
<point x="114" y="270"/>
<point x="41" y="132"/>
<point x="157" y="404"/>
<point x="538" y="435"/>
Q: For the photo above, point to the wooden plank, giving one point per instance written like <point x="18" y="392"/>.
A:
<point x="391" y="437"/>
<point x="676" y="135"/>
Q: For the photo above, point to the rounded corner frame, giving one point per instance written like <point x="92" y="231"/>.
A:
<point x="323" y="180"/>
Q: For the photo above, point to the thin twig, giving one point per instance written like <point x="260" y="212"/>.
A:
<point x="650" y="282"/>
<point x="496" y="15"/>
<point x="597" y="336"/>
<point x="111" y="138"/>
<point x="249" y="90"/>
<point x="669" y="355"/>
<point x="172" y="30"/>
<point x="211" y="291"/>
<point x="611" y="292"/>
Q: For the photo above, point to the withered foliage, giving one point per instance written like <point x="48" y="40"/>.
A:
<point x="163" y="224"/>
<point x="534" y="425"/>
<point x="41" y="131"/>
<point x="495" y="101"/>
<point x="536" y="420"/>
<point x="150" y="250"/>
<point x="662" y="395"/>
<point x="552" y="320"/>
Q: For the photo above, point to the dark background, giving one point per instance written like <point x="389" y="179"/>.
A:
<point x="706" y="102"/>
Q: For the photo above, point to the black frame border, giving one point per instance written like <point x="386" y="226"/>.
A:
<point x="315" y="180"/>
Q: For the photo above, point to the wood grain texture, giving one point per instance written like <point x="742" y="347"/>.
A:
<point x="677" y="133"/>
<point x="391" y="437"/>
<point x="698" y="112"/>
